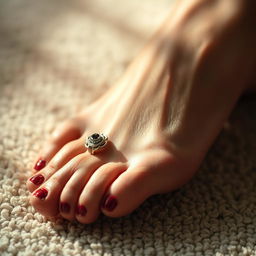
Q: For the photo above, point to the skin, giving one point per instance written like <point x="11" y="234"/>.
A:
<point x="161" y="117"/>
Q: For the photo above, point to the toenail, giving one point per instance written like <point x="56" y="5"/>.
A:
<point x="64" y="207"/>
<point x="40" y="165"/>
<point x="109" y="202"/>
<point x="41" y="193"/>
<point x="37" y="180"/>
<point x="81" y="210"/>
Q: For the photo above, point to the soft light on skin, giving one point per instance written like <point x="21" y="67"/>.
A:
<point x="161" y="116"/>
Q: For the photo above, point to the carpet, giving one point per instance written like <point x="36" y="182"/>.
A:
<point x="55" y="58"/>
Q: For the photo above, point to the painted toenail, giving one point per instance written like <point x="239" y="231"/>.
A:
<point x="41" y="193"/>
<point x="109" y="203"/>
<point x="64" y="207"/>
<point x="81" y="210"/>
<point x="40" y="165"/>
<point x="37" y="180"/>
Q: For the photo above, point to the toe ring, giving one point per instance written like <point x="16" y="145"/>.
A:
<point x="96" y="142"/>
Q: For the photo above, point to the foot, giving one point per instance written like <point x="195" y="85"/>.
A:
<point x="161" y="118"/>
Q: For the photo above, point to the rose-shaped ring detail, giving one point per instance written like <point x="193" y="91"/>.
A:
<point x="96" y="142"/>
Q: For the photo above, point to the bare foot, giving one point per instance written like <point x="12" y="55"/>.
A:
<point x="161" y="117"/>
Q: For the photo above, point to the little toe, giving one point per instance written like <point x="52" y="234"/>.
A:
<point x="65" y="154"/>
<point x="46" y="198"/>
<point x="73" y="188"/>
<point x="127" y="192"/>
<point x="64" y="133"/>
<point x="88" y="207"/>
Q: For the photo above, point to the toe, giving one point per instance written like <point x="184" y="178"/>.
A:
<point x="72" y="190"/>
<point x="46" y="198"/>
<point x="127" y="192"/>
<point x="88" y="207"/>
<point x="153" y="173"/>
<point x="64" y="133"/>
<point x="65" y="154"/>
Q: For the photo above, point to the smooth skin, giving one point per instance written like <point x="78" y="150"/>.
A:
<point x="161" y="116"/>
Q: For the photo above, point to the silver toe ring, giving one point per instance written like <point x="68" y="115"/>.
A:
<point x="96" y="142"/>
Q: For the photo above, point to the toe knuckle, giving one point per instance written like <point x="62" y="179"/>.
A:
<point x="78" y="161"/>
<point x="70" y="189"/>
<point x="53" y="165"/>
<point x="69" y="147"/>
<point x="55" y="181"/>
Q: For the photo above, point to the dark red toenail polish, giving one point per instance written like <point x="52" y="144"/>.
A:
<point x="40" y="165"/>
<point x="37" y="180"/>
<point x="81" y="210"/>
<point x="41" y="193"/>
<point x="109" y="203"/>
<point x="64" y="207"/>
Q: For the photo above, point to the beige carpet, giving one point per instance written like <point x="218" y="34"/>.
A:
<point x="55" y="57"/>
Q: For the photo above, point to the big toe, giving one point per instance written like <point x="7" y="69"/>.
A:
<point x="127" y="192"/>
